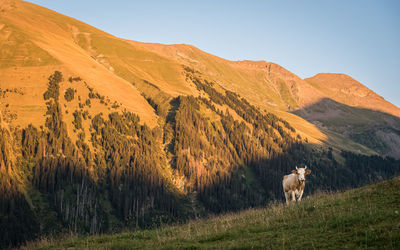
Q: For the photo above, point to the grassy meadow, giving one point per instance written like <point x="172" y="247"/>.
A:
<point x="363" y="218"/>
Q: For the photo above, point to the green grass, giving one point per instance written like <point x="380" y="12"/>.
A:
<point x="286" y="94"/>
<point x="367" y="217"/>
<point x="19" y="51"/>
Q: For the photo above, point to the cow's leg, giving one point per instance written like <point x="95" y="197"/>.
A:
<point x="300" y="195"/>
<point x="287" y="198"/>
<point x="293" y="194"/>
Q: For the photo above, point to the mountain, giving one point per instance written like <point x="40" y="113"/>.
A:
<point x="344" y="89"/>
<point x="101" y="134"/>
<point x="355" y="111"/>
<point x="33" y="36"/>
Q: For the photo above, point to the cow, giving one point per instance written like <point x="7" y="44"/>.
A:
<point x="294" y="183"/>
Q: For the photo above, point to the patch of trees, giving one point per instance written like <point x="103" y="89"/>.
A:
<point x="160" y="108"/>
<point x="241" y="106"/>
<point x="17" y="220"/>
<point x="131" y="156"/>
<point x="77" y="119"/>
<point x="214" y="156"/>
<point x="66" y="195"/>
<point x="61" y="172"/>
<point x="74" y="79"/>
<point x="114" y="106"/>
<point x="69" y="94"/>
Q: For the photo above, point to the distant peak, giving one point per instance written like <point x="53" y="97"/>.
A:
<point x="278" y="69"/>
<point x="333" y="75"/>
<point x="345" y="89"/>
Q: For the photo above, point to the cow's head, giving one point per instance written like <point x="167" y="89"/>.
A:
<point x="301" y="173"/>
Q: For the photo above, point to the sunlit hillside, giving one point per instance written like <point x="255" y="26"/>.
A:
<point x="39" y="40"/>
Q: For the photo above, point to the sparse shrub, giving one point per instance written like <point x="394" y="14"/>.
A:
<point x="71" y="79"/>
<point x="115" y="105"/>
<point x="85" y="114"/>
<point x="81" y="136"/>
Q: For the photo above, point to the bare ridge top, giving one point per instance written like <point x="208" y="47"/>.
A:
<point x="345" y="89"/>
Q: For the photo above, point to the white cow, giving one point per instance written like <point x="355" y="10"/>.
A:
<point x="294" y="183"/>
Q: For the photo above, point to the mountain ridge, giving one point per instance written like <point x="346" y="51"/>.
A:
<point x="338" y="85"/>
<point x="103" y="58"/>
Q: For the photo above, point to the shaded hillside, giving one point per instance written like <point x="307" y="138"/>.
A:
<point x="328" y="221"/>
<point x="356" y="112"/>
<point x="374" y="129"/>
<point x="346" y="90"/>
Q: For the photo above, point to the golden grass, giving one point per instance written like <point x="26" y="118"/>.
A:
<point x="32" y="82"/>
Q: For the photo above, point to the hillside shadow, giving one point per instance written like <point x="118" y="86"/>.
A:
<point x="347" y="162"/>
<point x="373" y="129"/>
<point x="328" y="175"/>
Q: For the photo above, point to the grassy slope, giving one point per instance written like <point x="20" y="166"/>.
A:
<point x="366" y="217"/>
<point x="109" y="65"/>
<point x="41" y="30"/>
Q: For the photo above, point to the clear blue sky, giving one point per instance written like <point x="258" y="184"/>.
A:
<point x="358" y="37"/>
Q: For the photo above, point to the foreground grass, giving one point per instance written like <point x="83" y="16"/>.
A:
<point x="367" y="217"/>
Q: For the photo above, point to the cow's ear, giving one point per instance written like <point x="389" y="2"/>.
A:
<point x="308" y="171"/>
<point x="294" y="172"/>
